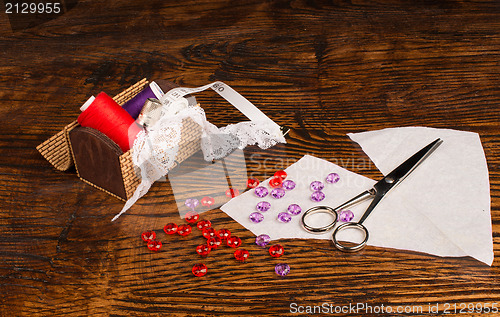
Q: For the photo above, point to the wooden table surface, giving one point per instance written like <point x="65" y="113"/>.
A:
<point x="323" y="68"/>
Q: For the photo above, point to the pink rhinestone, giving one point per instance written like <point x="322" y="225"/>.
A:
<point x="332" y="178"/>
<point x="317" y="185"/>
<point x="261" y="191"/>
<point x="294" y="209"/>
<point x="288" y="185"/>
<point x="256" y="217"/>
<point x="346" y="215"/>
<point x="278" y="193"/>
<point x="317" y="196"/>
<point x="284" y="217"/>
<point x="282" y="269"/>
<point x="262" y="240"/>
<point x="263" y="206"/>
<point x="192" y="203"/>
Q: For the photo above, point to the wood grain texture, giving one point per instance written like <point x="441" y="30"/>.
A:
<point x="323" y="68"/>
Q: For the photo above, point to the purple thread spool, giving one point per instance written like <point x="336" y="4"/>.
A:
<point x="134" y="105"/>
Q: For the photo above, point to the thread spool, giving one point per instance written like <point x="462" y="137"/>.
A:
<point x="134" y="105"/>
<point x="106" y="116"/>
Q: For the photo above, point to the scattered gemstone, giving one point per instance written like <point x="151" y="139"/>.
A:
<point x="294" y="209"/>
<point x="284" y="217"/>
<point x="170" y="228"/>
<point x="192" y="203"/>
<point x="154" y="245"/>
<point x="241" y="255"/>
<point x="203" y="224"/>
<point x="277" y="193"/>
<point x="148" y="235"/>
<point x="332" y="178"/>
<point x="346" y="215"/>
<point x="275" y="181"/>
<point x="262" y="240"/>
<point x="192" y="217"/>
<point x="288" y="184"/>
<point x="261" y="191"/>
<point x="224" y="234"/>
<point x="317" y="196"/>
<point x="256" y="217"/>
<point x="209" y="232"/>
<point x="214" y="242"/>
<point x="317" y="186"/>
<point x="184" y="230"/>
<point x="199" y="270"/>
<point x="281" y="174"/>
<point x="207" y="201"/>
<point x="276" y="250"/>
<point x="263" y="206"/>
<point x="233" y="241"/>
<point x="203" y="250"/>
<point x="282" y="269"/>
<point x="232" y="192"/>
<point x="252" y="182"/>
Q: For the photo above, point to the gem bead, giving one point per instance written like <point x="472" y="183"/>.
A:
<point x="263" y="206"/>
<point x="317" y="185"/>
<point x="233" y="241"/>
<point x="241" y="255"/>
<point x="252" y="183"/>
<point x="346" y="215"/>
<point x="277" y="193"/>
<point x="154" y="245"/>
<point x="170" y="228"/>
<point x="232" y="192"/>
<point x="192" y="203"/>
<point x="256" y="217"/>
<point x="275" y="181"/>
<point x="294" y="209"/>
<point x="214" y="242"/>
<point x="209" y="232"/>
<point x="148" y="235"/>
<point x="203" y="250"/>
<point x="199" y="270"/>
<point x="224" y="234"/>
<point x="282" y="269"/>
<point x="284" y="217"/>
<point x="317" y="196"/>
<point x="261" y="191"/>
<point x="192" y="217"/>
<point x="207" y="201"/>
<point x="281" y="174"/>
<point x="262" y="240"/>
<point x="184" y="230"/>
<point x="276" y="250"/>
<point x="332" y="178"/>
<point x="288" y="184"/>
<point x="203" y="224"/>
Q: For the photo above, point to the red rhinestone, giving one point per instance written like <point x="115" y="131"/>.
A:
<point x="154" y="245"/>
<point x="207" y="201"/>
<point x="148" y="235"/>
<point x="170" y="228"/>
<point x="199" y="270"/>
<point x="184" y="230"/>
<point x="233" y="241"/>
<point x="281" y="174"/>
<point x="214" y="242"/>
<point x="192" y="217"/>
<point x="224" y="234"/>
<point x="275" y="181"/>
<point x="233" y="192"/>
<point x="203" y="249"/>
<point x="203" y="224"/>
<point x="276" y="250"/>
<point x="241" y="255"/>
<point x="209" y="232"/>
<point x="252" y="183"/>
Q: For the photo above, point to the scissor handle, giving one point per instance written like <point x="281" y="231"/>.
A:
<point x="355" y="248"/>
<point x="319" y="209"/>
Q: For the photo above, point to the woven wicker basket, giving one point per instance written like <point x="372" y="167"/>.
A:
<point x="59" y="151"/>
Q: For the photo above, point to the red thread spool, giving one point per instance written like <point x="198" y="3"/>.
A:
<point x="106" y="116"/>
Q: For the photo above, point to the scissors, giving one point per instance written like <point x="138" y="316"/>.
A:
<point x="377" y="192"/>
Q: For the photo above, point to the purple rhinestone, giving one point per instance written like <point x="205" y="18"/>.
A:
<point x="332" y="178"/>
<point x="261" y="191"/>
<point x="284" y="217"/>
<point x="346" y="215"/>
<point x="256" y="217"/>
<point x="262" y="240"/>
<point x="294" y="209"/>
<point x="318" y="196"/>
<point x="317" y="185"/>
<point x="288" y="185"/>
<point x="282" y="269"/>
<point x="278" y="193"/>
<point x="263" y="206"/>
<point x="192" y="203"/>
